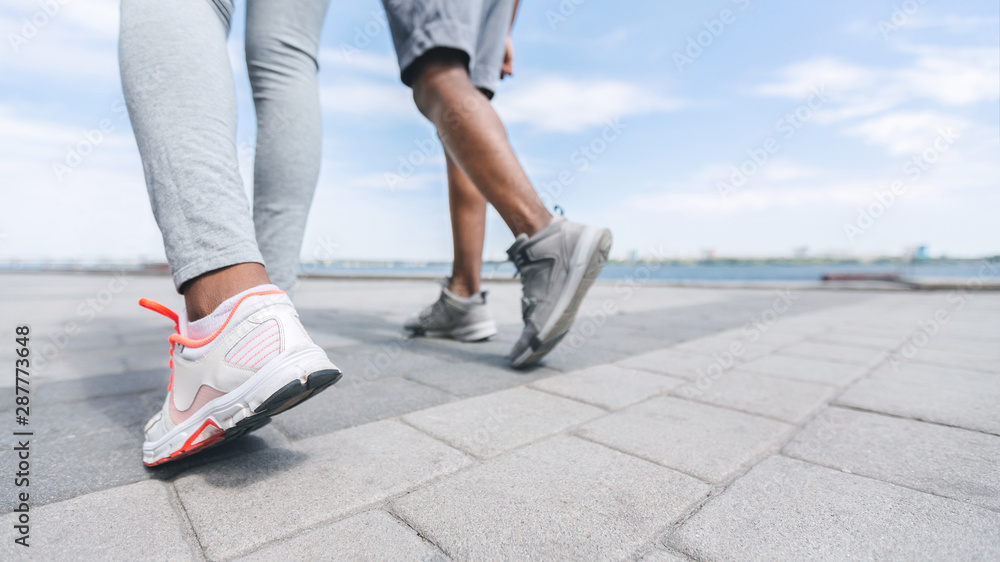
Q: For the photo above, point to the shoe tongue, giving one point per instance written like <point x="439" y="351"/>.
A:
<point x="519" y="243"/>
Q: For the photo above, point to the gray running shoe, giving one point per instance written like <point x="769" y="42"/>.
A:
<point x="452" y="316"/>
<point x="557" y="266"/>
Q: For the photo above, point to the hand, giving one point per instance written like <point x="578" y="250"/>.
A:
<point x="508" y="60"/>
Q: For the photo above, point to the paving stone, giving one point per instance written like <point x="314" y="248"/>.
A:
<point x="100" y="386"/>
<point x="372" y="535"/>
<point x="784" y="509"/>
<point x="962" y="360"/>
<point x="957" y="463"/>
<point x="833" y="352"/>
<point x="681" y="364"/>
<point x="479" y="377"/>
<point x="101" y="437"/>
<point x="931" y="393"/>
<point x="855" y="339"/>
<point x="354" y="404"/>
<point x="809" y="370"/>
<point x="283" y="491"/>
<point x="563" y="498"/>
<point x="608" y="386"/>
<point x="573" y="354"/>
<point x="135" y="522"/>
<point x="660" y="555"/>
<point x="381" y="359"/>
<point x="486" y="426"/>
<point x="718" y="342"/>
<point x="705" y="441"/>
<point x="782" y="398"/>
<point x="971" y="347"/>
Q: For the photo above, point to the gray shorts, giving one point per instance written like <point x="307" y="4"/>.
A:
<point x="476" y="27"/>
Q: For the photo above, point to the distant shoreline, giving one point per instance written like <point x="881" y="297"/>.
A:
<point x="877" y="274"/>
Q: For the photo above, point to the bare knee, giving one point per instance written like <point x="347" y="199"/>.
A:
<point x="435" y="75"/>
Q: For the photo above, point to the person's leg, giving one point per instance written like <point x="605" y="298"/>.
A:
<point x="282" y="42"/>
<point x="181" y="100"/>
<point x="241" y="355"/>
<point x="475" y="138"/>
<point x="468" y="228"/>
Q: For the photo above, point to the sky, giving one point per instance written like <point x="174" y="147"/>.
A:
<point x="745" y="128"/>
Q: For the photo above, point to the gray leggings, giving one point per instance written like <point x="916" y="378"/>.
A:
<point x="181" y="100"/>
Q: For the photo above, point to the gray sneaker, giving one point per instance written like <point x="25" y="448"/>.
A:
<point x="557" y="266"/>
<point x="452" y="316"/>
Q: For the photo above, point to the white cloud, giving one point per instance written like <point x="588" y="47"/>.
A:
<point x="869" y="102"/>
<point x="568" y="106"/>
<point x="952" y="76"/>
<point x="906" y="132"/>
<point x="798" y="80"/>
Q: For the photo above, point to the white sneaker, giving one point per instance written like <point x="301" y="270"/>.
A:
<point x="259" y="363"/>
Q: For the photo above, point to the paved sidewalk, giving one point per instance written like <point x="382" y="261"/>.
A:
<point x="672" y="424"/>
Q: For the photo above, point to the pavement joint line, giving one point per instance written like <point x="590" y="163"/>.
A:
<point x="178" y="505"/>
<point x="579" y="400"/>
<point x="569" y="430"/>
<point x="423" y="536"/>
<point x="721" y="487"/>
<point x="907" y="418"/>
<point x="382" y="504"/>
<point x="747" y="412"/>
<point x="865" y="476"/>
<point x="942" y="364"/>
<point x="644" y="459"/>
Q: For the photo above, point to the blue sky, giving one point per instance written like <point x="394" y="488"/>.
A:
<point x="745" y="127"/>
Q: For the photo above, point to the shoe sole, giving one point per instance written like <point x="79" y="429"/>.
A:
<point x="217" y="416"/>
<point x="592" y="252"/>
<point x="473" y="332"/>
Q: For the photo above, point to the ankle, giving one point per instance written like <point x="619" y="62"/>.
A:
<point x="464" y="288"/>
<point x="203" y="294"/>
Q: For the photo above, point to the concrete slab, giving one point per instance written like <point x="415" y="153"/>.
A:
<point x="781" y="398"/>
<point x="709" y="442"/>
<point x="947" y="461"/>
<point x="486" y="426"/>
<point x="135" y="522"/>
<point x="369" y="536"/>
<point x="809" y="370"/>
<point x="282" y="492"/>
<point x="785" y="509"/>
<point x="932" y="393"/>
<point x="563" y="498"/>
<point x="608" y="386"/>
